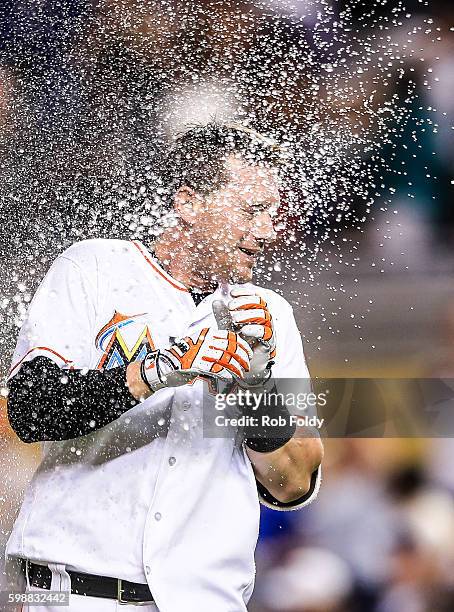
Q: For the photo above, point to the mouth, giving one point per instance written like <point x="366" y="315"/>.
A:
<point x="250" y="252"/>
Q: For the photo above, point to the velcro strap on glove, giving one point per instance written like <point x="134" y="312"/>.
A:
<point x="154" y="368"/>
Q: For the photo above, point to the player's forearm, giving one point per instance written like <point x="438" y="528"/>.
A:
<point x="46" y="403"/>
<point x="287" y="472"/>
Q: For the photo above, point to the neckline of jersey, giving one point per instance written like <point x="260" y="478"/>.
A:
<point x="157" y="268"/>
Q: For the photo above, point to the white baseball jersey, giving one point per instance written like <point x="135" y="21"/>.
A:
<point x="147" y="498"/>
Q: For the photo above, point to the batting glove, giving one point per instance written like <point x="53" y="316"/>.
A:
<point x="213" y="352"/>
<point x="250" y="315"/>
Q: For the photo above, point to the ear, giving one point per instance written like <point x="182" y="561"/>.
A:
<point x="187" y="204"/>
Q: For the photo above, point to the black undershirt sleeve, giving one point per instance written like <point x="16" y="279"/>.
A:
<point x="267" y="497"/>
<point x="47" y="403"/>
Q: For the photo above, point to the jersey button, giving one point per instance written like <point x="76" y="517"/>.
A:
<point x="147" y="569"/>
<point x="158" y="516"/>
<point x="172" y="460"/>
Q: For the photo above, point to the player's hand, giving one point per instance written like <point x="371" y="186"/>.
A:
<point x="212" y="352"/>
<point x="251" y="317"/>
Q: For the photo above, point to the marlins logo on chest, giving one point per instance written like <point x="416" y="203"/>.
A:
<point x="124" y="339"/>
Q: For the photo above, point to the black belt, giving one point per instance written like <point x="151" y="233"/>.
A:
<point x="123" y="591"/>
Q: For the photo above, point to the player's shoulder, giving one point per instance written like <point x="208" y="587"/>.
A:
<point x="272" y="297"/>
<point x="86" y="251"/>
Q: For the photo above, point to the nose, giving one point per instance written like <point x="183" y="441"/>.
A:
<point x="263" y="228"/>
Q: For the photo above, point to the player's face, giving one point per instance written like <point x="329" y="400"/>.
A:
<point x="236" y="222"/>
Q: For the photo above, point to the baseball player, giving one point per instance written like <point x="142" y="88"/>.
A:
<point x="121" y="354"/>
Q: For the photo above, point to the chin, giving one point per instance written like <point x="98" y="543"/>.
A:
<point x="241" y="275"/>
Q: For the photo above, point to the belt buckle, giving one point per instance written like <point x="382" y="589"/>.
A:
<point x="123" y="602"/>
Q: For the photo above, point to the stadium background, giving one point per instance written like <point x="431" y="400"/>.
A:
<point x="381" y="536"/>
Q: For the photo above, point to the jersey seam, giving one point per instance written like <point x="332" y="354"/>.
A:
<point x="95" y="302"/>
<point x="84" y="274"/>
<point x="26" y="521"/>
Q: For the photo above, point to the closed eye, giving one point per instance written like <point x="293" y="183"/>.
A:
<point x="248" y="211"/>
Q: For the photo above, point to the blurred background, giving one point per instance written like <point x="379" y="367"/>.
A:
<point x="92" y="92"/>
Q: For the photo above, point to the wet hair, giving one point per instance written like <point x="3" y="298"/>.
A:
<point x="197" y="158"/>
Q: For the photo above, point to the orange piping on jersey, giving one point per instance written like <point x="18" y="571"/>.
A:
<point x="156" y="269"/>
<point x="39" y="348"/>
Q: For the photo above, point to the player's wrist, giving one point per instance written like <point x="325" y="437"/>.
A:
<point x="257" y="380"/>
<point x="135" y="383"/>
<point x="279" y="428"/>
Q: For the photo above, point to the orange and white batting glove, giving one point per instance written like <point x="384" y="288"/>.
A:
<point x="212" y="352"/>
<point x="251" y="317"/>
